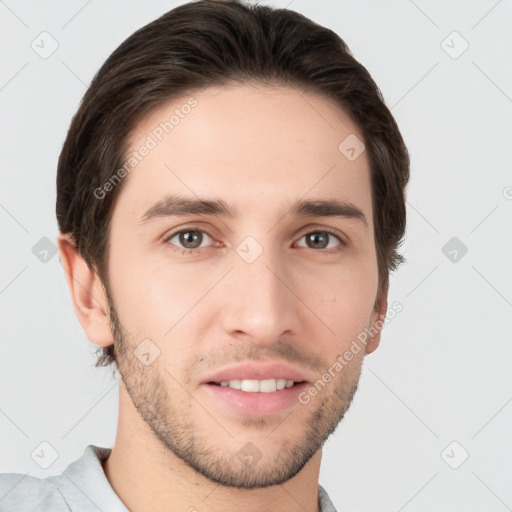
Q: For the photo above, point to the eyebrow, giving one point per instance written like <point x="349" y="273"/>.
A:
<point x="178" y="205"/>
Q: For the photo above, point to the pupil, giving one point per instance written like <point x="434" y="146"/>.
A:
<point x="318" y="240"/>
<point x="191" y="239"/>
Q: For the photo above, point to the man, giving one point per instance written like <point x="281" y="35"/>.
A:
<point x="230" y="197"/>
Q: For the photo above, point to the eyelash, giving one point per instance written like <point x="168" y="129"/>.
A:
<point x="183" y="250"/>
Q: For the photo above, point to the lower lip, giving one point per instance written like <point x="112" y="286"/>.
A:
<point x="257" y="404"/>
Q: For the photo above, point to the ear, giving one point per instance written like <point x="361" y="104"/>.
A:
<point x="377" y="319"/>
<point x="87" y="292"/>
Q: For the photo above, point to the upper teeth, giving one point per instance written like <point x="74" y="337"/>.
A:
<point x="253" y="386"/>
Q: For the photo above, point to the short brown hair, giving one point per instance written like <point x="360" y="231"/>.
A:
<point x="211" y="43"/>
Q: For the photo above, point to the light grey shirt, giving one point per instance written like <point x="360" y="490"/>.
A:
<point x="81" y="487"/>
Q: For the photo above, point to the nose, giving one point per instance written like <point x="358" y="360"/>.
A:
<point x="258" y="299"/>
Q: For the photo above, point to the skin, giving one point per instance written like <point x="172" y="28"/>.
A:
<point x="260" y="149"/>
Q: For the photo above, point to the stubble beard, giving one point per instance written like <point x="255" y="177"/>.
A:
<point x="168" y="419"/>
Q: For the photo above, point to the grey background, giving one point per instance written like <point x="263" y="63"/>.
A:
<point x="442" y="372"/>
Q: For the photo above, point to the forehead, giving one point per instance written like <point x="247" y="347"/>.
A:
<point x="247" y="144"/>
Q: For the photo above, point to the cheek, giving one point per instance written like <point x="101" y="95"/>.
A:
<point x="139" y="296"/>
<point x="343" y="299"/>
<point x="152" y="295"/>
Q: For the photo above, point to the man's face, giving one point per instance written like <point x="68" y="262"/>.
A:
<point x="268" y="284"/>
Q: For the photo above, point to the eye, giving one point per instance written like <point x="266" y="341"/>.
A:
<point x="322" y="240"/>
<point x="190" y="239"/>
<point x="193" y="239"/>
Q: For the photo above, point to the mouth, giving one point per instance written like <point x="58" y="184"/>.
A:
<point x="252" y="398"/>
<point x="256" y="389"/>
<point x="269" y="376"/>
<point x="257" y="386"/>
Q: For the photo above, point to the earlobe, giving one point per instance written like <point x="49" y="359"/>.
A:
<point x="87" y="293"/>
<point x="377" y="321"/>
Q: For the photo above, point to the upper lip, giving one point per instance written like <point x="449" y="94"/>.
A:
<point x="257" y="371"/>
